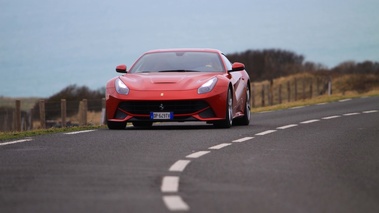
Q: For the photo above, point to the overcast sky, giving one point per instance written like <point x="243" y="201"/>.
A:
<point x="46" y="45"/>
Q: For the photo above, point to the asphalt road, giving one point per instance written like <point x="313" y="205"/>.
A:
<point x="321" y="158"/>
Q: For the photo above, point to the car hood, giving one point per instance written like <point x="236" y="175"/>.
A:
<point x="166" y="81"/>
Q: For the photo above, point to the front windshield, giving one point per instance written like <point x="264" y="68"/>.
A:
<point x="178" y="61"/>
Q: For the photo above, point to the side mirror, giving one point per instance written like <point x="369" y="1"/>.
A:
<point x="121" y="68"/>
<point x="237" y="66"/>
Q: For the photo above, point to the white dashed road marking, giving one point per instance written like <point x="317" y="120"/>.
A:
<point x="179" y="166"/>
<point x="197" y="154"/>
<point x="331" y="117"/>
<point x="220" y="146"/>
<point x="287" y="126"/>
<point x="309" y="121"/>
<point x="175" y="203"/>
<point x="266" y="132"/>
<point x="350" y="114"/>
<point x="370" y="111"/>
<point x="242" y="139"/>
<point x="170" y="184"/>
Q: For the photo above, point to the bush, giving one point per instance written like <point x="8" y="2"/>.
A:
<point x="357" y="82"/>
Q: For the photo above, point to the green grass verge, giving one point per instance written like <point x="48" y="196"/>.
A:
<point x="4" y="136"/>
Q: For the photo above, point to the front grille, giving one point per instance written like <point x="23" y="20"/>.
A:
<point x="178" y="107"/>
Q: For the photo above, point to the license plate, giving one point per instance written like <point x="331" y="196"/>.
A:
<point x="161" y="115"/>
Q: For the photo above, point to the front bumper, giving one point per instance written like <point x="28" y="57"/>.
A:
<point x="205" y="107"/>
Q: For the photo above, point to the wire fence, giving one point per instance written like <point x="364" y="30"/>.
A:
<point x="47" y="114"/>
<point x="273" y="93"/>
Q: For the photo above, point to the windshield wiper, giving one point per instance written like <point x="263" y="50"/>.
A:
<point x="178" y="71"/>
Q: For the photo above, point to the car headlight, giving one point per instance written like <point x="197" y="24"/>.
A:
<point x="121" y="88"/>
<point x="207" y="86"/>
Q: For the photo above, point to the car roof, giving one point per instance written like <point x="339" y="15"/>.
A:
<point x="185" y="50"/>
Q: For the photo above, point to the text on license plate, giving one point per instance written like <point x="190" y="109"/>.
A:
<point x="161" y="115"/>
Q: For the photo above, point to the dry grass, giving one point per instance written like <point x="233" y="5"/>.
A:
<point x="4" y="136"/>
<point x="304" y="86"/>
<point x="343" y="86"/>
<point x="93" y="119"/>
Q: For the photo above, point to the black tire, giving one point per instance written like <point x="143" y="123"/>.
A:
<point x="116" y="125"/>
<point x="143" y="124"/>
<point x="245" y="119"/>
<point x="228" y="121"/>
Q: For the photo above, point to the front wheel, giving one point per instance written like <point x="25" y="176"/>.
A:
<point x="227" y="123"/>
<point x="245" y="119"/>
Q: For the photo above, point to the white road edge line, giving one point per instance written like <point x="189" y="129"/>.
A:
<point x="319" y="104"/>
<point x="264" y="112"/>
<point x="242" y="139"/>
<point x="331" y="117"/>
<point x="309" y="121"/>
<point x="197" y="154"/>
<point x="344" y="100"/>
<point x="220" y="146"/>
<point x="170" y="184"/>
<point x="179" y="166"/>
<point x="13" y="142"/>
<point x="78" y="132"/>
<point x="175" y="203"/>
<point x="287" y="126"/>
<point x="266" y="132"/>
<point x="297" y="107"/>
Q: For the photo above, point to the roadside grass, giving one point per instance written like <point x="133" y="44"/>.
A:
<point x="4" y="136"/>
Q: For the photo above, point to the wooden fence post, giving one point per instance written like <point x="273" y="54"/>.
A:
<point x="268" y="95"/>
<point x="63" y="112"/>
<point x="280" y="94"/>
<point x="80" y="113"/>
<point x="263" y="95"/>
<point x="85" y="109"/>
<point x="295" y="89"/>
<point x="330" y="86"/>
<point x="18" y="116"/>
<point x="311" y="90"/>
<point x="31" y="119"/>
<point x="42" y="114"/>
<point x="304" y="96"/>
<point x="288" y="91"/>
<point x="271" y="91"/>
<point x="318" y="86"/>
<point x="103" y="112"/>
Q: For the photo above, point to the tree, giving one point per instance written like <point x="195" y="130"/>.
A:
<point x="270" y="63"/>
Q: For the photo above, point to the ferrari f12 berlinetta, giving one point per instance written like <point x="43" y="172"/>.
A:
<point x="179" y="85"/>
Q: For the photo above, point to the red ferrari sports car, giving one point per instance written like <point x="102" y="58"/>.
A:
<point x="179" y="85"/>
